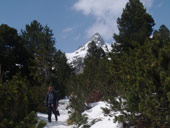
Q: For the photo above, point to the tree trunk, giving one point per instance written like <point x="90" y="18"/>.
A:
<point x="0" y="73"/>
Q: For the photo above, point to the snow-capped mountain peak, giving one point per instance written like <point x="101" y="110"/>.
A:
<point x="98" y="39"/>
<point x="76" y="59"/>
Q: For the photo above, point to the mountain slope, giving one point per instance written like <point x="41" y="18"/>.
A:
<point x="76" y="59"/>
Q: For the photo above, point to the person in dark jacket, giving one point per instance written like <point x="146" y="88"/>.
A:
<point x="51" y="103"/>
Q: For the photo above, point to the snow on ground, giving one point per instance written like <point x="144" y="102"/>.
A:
<point x="102" y="121"/>
<point x="62" y="119"/>
<point x="96" y="117"/>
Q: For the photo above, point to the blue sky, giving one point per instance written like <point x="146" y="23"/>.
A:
<point x="74" y="21"/>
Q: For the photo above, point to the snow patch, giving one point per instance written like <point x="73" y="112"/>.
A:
<point x="96" y="116"/>
<point x="82" y="51"/>
<point x="62" y="119"/>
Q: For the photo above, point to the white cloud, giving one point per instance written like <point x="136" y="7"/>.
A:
<point x="67" y="30"/>
<point x="148" y="3"/>
<point x="106" y="13"/>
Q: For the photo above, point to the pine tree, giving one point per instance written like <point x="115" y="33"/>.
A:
<point x="48" y="66"/>
<point x="13" y="55"/>
<point x="94" y="51"/>
<point x="28" y="63"/>
<point x="135" y="25"/>
<point x="33" y="36"/>
<point x="45" y="56"/>
<point x="40" y="43"/>
<point x="141" y="78"/>
<point x="61" y="72"/>
<point x="14" y="101"/>
<point x="139" y="67"/>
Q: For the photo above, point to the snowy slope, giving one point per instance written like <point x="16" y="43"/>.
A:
<point x="82" y="51"/>
<point x="61" y="123"/>
<point x="95" y="113"/>
<point x="76" y="58"/>
<point x="102" y="121"/>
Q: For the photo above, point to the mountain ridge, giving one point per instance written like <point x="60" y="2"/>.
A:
<point x="76" y="59"/>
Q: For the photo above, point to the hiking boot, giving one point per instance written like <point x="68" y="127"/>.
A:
<point x="56" y="119"/>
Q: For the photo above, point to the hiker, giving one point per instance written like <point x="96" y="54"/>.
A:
<point x="51" y="103"/>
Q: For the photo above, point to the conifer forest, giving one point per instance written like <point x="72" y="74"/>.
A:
<point x="133" y="77"/>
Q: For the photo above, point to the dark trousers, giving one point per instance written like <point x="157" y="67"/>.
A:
<point x="50" y="110"/>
